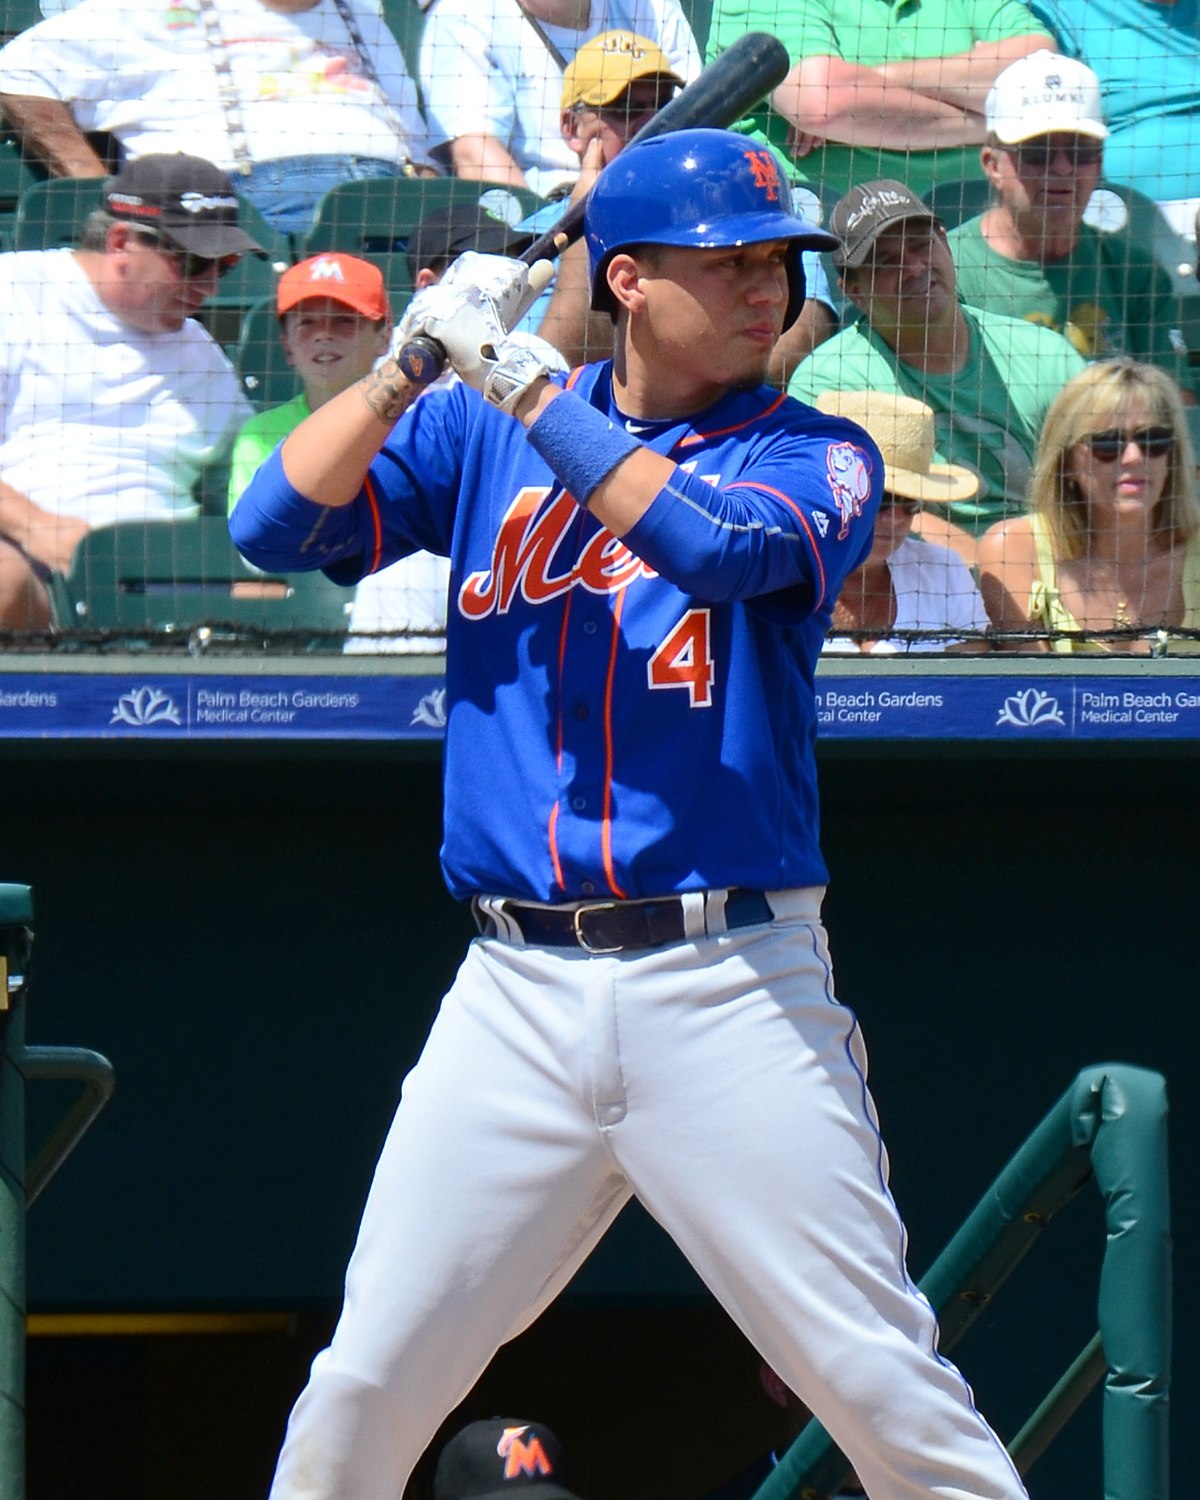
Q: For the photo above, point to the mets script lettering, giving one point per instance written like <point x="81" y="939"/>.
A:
<point x="526" y="560"/>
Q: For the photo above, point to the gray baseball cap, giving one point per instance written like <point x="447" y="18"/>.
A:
<point x="859" y="218"/>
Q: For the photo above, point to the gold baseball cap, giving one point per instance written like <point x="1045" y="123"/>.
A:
<point x="603" y="68"/>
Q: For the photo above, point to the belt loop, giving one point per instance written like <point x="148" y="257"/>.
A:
<point x="493" y="907"/>
<point x="714" y="912"/>
<point x="692" y="905"/>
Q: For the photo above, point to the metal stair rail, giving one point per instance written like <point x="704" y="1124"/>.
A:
<point x="20" y="1184"/>
<point x="1110" y="1126"/>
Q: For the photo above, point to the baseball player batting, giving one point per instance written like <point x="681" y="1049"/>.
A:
<point x="644" y="559"/>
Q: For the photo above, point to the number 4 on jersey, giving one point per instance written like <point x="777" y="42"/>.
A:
<point x="684" y="660"/>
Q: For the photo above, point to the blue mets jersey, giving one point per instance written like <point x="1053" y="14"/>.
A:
<point x="625" y="718"/>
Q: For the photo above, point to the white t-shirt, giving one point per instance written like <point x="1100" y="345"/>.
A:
<point x="143" y="70"/>
<point x="99" y="420"/>
<point x="934" y="591"/>
<point x="485" y="71"/>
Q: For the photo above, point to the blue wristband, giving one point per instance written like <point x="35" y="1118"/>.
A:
<point x="580" y="444"/>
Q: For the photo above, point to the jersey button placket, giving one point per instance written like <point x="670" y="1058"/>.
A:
<point x="585" y="670"/>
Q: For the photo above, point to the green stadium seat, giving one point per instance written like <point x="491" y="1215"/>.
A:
<point x="169" y="578"/>
<point x="51" y="214"/>
<point x="15" y="176"/>
<point x="17" y="15"/>
<point x="262" y="369"/>
<point x="373" y="218"/>
<point x="959" y="199"/>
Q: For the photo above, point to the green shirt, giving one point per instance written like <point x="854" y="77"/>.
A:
<point x="260" y="436"/>
<point x="987" y="416"/>
<point x="1109" y="297"/>
<point x="868" y="33"/>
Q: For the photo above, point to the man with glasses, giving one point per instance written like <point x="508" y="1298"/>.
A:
<point x="112" y="398"/>
<point x="492" y="76"/>
<point x="990" y="379"/>
<point x="1033" y="254"/>
<point x="614" y="84"/>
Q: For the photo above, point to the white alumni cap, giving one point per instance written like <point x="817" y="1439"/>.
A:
<point x="1045" y="92"/>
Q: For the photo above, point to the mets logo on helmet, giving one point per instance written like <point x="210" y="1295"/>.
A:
<point x="765" y="173"/>
<point x="849" y="471"/>
<point x="521" y="1457"/>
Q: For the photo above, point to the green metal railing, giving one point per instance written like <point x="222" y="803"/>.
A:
<point x="20" y="1184"/>
<point x="1110" y="1126"/>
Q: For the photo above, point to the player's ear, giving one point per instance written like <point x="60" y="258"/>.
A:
<point x="624" y="277"/>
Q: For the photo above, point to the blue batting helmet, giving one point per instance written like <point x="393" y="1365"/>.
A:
<point x="699" y="188"/>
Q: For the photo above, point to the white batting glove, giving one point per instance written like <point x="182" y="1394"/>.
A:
<point x="470" y="311"/>
<point x="514" y="370"/>
<point x="509" y="286"/>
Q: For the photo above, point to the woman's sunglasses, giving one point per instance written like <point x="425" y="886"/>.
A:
<point x="1109" y="444"/>
<point x="899" y="502"/>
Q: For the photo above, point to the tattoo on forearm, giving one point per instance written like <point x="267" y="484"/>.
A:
<point x="387" y="392"/>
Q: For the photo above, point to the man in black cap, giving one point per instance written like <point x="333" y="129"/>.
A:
<point x="499" y="1458"/>
<point x="114" y="398"/>
<point x="444" y="233"/>
<point x="990" y="379"/>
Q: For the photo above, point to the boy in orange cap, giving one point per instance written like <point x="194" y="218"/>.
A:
<point x="334" y="322"/>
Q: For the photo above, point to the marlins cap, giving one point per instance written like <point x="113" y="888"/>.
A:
<point x="502" y="1458"/>
<point x="603" y="69"/>
<point x="185" y="199"/>
<point x="342" y="278"/>
<point x="866" y="211"/>
<point x="1044" y="93"/>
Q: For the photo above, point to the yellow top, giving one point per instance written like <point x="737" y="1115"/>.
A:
<point x="1047" y="609"/>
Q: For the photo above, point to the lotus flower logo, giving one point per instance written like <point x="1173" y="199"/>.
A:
<point x="1024" y="710"/>
<point x="431" y="711"/>
<point x="145" y="706"/>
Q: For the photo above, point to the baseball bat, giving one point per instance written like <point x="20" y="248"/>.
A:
<point x="726" y="90"/>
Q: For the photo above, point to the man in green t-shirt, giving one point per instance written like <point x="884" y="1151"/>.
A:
<point x="334" y="323"/>
<point x="1031" y="255"/>
<point x="879" y="89"/>
<point x="989" y="379"/>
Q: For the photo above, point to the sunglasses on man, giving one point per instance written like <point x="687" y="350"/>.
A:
<point x="191" y="266"/>
<point x="1036" y="156"/>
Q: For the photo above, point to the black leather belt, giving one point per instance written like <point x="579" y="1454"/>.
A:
<point x="616" y="926"/>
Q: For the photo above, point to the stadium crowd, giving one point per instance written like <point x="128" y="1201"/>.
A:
<point x="1010" y="313"/>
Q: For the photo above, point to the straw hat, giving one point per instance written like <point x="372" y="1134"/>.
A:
<point x="903" y="430"/>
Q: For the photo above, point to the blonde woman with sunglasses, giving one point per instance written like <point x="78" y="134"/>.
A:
<point x="1109" y="554"/>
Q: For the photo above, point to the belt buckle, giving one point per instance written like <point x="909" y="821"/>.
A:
<point x="577" y="926"/>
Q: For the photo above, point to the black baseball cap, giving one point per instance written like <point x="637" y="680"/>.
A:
<point x="859" y="218"/>
<point x="185" y="199"/>
<point x="447" y="232"/>
<point x="499" y="1458"/>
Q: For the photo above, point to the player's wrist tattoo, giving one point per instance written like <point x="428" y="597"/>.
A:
<point x="388" y="392"/>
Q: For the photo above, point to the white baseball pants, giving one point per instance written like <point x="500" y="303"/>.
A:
<point x="720" y="1081"/>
